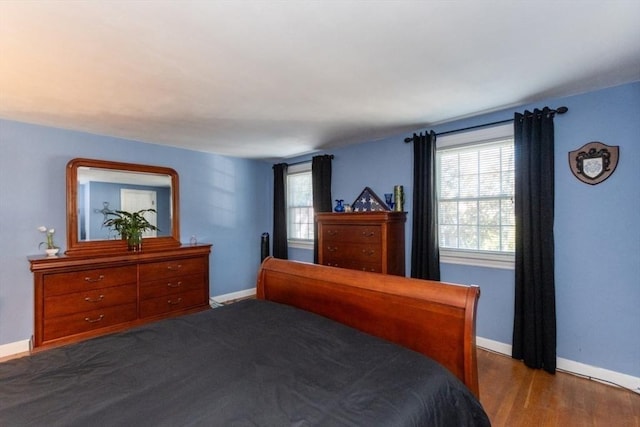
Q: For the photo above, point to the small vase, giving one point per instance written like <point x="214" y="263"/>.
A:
<point x="52" y="252"/>
<point x="398" y="195"/>
<point x="134" y="242"/>
<point x="339" y="206"/>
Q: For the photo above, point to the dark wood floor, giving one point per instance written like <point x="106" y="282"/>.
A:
<point x="514" y="395"/>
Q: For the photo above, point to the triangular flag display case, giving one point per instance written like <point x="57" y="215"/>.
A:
<point x="368" y="201"/>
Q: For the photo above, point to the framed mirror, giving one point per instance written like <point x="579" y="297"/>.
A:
<point x="96" y="188"/>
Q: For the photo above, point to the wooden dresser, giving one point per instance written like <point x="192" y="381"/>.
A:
<point x="368" y="241"/>
<point x="82" y="297"/>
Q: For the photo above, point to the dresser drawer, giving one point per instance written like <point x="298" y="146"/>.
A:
<point x="178" y="267"/>
<point x="98" y="278"/>
<point x="356" y="265"/>
<point x="80" y="302"/>
<point x="334" y="251"/>
<point x="352" y="233"/>
<point x="62" y="326"/>
<point x="171" y="286"/>
<point x="174" y="302"/>
<point x="79" y="297"/>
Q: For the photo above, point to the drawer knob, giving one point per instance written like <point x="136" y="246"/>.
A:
<point x="332" y="248"/>
<point x="172" y="302"/>
<point x="174" y="267"/>
<point x="174" y="285"/>
<point x="368" y="233"/>
<point x="368" y="252"/>
<point x="100" y="298"/>
<point x="86" y="319"/>
<point x="93" y="280"/>
<point x="332" y="232"/>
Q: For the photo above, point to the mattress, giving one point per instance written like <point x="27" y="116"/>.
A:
<point x="252" y="363"/>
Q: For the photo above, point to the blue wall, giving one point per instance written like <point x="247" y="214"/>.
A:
<point x="597" y="228"/>
<point x="222" y="201"/>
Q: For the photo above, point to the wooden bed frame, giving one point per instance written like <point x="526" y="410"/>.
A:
<point x="434" y="318"/>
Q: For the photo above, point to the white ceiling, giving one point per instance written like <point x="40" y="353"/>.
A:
<point x="275" y="79"/>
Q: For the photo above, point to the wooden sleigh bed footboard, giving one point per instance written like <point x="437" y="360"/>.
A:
<point x="433" y="318"/>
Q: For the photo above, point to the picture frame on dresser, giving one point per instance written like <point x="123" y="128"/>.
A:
<point x="368" y="201"/>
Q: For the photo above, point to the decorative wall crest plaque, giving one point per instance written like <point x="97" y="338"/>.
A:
<point x="594" y="162"/>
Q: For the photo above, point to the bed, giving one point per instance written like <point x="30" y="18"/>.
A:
<point x="319" y="346"/>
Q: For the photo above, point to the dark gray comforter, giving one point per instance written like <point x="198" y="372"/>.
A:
<point x="252" y="363"/>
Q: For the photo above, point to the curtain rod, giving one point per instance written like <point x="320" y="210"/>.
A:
<point x="307" y="161"/>
<point x="559" y="110"/>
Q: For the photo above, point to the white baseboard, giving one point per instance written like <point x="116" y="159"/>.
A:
<point x="497" y="346"/>
<point x="13" y="348"/>
<point x="234" y="295"/>
<point x="599" y="374"/>
<point x="565" y="365"/>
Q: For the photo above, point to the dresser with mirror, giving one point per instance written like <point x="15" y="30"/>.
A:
<point x="99" y="285"/>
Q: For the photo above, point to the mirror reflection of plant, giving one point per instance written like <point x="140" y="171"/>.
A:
<point x="130" y="224"/>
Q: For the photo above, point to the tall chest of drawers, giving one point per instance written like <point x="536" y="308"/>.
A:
<point x="77" y="298"/>
<point x="368" y="241"/>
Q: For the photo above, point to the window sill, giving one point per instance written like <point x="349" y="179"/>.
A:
<point x="478" y="259"/>
<point x="300" y="244"/>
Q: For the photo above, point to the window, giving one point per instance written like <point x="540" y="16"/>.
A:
<point x="476" y="176"/>
<point x="300" y="218"/>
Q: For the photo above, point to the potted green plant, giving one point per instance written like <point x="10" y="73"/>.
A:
<point x="130" y="226"/>
<point x="51" y="249"/>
